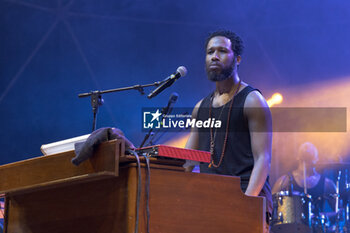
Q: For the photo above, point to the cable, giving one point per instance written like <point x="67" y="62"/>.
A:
<point x="138" y="197"/>
<point x="148" y="183"/>
<point x="147" y="188"/>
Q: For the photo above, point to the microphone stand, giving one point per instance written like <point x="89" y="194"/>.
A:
<point x="97" y="100"/>
<point x="165" y="111"/>
<point x="150" y="133"/>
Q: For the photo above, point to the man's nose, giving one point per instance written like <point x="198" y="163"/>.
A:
<point x="215" y="57"/>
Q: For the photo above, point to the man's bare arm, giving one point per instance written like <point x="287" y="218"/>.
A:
<point x="192" y="142"/>
<point x="281" y="184"/>
<point x="260" y="127"/>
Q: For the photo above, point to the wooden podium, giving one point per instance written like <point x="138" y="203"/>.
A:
<point x="48" y="194"/>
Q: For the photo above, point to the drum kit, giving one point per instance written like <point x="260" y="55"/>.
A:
<point x="295" y="212"/>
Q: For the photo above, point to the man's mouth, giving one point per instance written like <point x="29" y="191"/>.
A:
<point x="214" y="65"/>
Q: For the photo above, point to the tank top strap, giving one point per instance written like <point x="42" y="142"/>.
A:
<point x="239" y="98"/>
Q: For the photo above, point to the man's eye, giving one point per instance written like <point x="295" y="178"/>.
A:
<point x="210" y="52"/>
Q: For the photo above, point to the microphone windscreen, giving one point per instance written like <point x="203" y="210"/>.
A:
<point x="182" y="70"/>
<point x="173" y="98"/>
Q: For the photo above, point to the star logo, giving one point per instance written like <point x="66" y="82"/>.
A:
<point x="151" y="119"/>
<point x="156" y="115"/>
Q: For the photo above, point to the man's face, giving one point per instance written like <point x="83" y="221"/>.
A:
<point x="309" y="156"/>
<point x="220" y="59"/>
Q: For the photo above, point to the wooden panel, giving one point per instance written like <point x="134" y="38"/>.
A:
<point x="97" y="206"/>
<point x="53" y="169"/>
<point x="197" y="203"/>
<point x="180" y="202"/>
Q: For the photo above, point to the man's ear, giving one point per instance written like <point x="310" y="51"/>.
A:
<point x="238" y="59"/>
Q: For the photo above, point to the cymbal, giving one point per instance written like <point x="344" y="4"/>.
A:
<point x="332" y="166"/>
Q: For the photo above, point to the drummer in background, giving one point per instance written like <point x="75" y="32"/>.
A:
<point x="318" y="186"/>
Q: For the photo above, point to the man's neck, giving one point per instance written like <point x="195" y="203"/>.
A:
<point x="310" y="171"/>
<point x="227" y="85"/>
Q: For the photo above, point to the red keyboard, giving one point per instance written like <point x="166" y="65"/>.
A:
<point x="175" y="152"/>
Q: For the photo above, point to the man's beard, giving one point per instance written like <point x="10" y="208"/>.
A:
<point x="224" y="74"/>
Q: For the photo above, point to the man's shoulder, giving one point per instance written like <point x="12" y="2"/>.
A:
<point x="198" y="104"/>
<point x="255" y="99"/>
<point x="196" y="108"/>
<point x="281" y="183"/>
<point x="329" y="185"/>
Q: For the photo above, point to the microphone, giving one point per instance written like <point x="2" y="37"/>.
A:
<point x="172" y="100"/>
<point x="180" y="72"/>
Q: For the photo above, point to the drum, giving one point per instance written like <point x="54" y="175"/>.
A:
<point x="291" y="213"/>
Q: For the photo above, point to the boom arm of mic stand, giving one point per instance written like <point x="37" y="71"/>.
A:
<point x="135" y="87"/>
<point x="96" y="97"/>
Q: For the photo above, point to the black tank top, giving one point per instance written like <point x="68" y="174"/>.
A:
<point x="315" y="192"/>
<point x="238" y="159"/>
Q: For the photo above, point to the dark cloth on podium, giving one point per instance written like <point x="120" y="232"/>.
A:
<point x="85" y="150"/>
